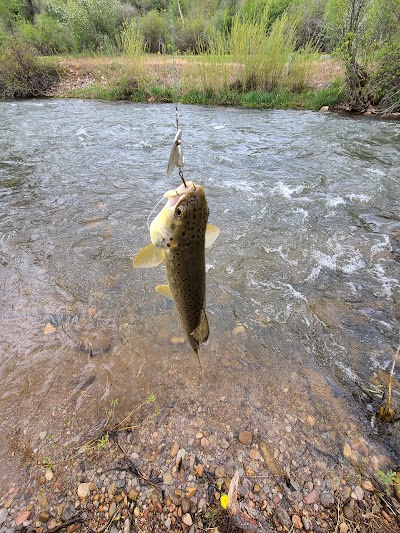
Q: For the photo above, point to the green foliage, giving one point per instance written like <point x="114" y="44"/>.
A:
<point x="21" y="74"/>
<point x="387" y="479"/>
<point x="385" y="81"/>
<point x="154" y="28"/>
<point x="47" y="35"/>
<point x="193" y="34"/>
<point x="94" y="24"/>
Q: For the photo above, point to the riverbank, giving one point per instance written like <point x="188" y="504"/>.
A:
<point x="170" y="469"/>
<point x="113" y="78"/>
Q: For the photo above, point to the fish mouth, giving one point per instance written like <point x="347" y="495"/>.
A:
<point x="176" y="196"/>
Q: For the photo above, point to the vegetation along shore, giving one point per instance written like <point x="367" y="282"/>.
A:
<point x="253" y="53"/>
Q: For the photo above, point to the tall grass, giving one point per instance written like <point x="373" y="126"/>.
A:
<point x="209" y="69"/>
<point x="269" y="60"/>
<point x="134" y="48"/>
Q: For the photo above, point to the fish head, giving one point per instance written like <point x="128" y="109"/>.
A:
<point x="184" y="217"/>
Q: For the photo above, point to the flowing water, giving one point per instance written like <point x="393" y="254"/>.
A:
<point x="303" y="282"/>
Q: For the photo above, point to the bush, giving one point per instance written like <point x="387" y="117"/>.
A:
<point x="385" y="81"/>
<point x="21" y="75"/>
<point x="192" y="34"/>
<point x="47" y="35"/>
<point x="154" y="28"/>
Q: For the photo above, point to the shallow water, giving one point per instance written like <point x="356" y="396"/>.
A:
<point x="303" y="282"/>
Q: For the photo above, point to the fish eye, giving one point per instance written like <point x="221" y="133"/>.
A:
<point x="178" y="211"/>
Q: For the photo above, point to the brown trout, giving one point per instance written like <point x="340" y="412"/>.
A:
<point x="179" y="235"/>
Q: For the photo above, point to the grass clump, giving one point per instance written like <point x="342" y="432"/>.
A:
<point x="21" y="73"/>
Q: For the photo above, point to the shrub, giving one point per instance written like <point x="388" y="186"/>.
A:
<point x="21" y="75"/>
<point x="192" y="34"/>
<point x="385" y="81"/>
<point x="47" y="35"/>
<point x="154" y="28"/>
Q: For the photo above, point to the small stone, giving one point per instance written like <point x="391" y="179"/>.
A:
<point x="346" y="492"/>
<point x="343" y="528"/>
<point x="199" y="470"/>
<point x="3" y="515"/>
<point x="72" y="528"/>
<point x="168" y="478"/>
<point x="245" y="438"/>
<point x="133" y="494"/>
<point x="42" y="435"/>
<point x="219" y="472"/>
<point x="112" y="509"/>
<point x="174" y="450"/>
<point x="249" y="471"/>
<point x="255" y="454"/>
<point x="83" y="490"/>
<point x="49" y="474"/>
<point x="348" y="513"/>
<point x="167" y="524"/>
<point x="347" y="451"/>
<point x="376" y="509"/>
<point x="367" y="485"/>
<point x="22" y="517"/>
<point x="187" y="519"/>
<point x="306" y="523"/>
<point x="44" y="516"/>
<point x="327" y="499"/>
<point x="185" y="504"/>
<point x="283" y="518"/>
<point x="190" y="492"/>
<point x="257" y="488"/>
<point x="136" y="512"/>
<point x="296" y="521"/>
<point x="312" y="497"/>
<point x="180" y="456"/>
<point x="324" y="109"/>
<point x="358" y="494"/>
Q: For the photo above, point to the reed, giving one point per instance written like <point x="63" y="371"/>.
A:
<point x="134" y="48"/>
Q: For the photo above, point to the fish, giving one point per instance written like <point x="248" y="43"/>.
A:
<point x="179" y="235"/>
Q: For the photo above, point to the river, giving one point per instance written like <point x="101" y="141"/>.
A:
<point x="302" y="284"/>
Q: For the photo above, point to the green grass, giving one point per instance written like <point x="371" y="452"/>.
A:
<point x="311" y="99"/>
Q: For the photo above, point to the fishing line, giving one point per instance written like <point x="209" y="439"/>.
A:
<point x="175" y="70"/>
<point x="152" y="211"/>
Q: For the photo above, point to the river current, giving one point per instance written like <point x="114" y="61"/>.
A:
<point x="303" y="293"/>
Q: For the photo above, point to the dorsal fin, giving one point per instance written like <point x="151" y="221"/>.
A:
<point x="149" y="256"/>
<point x="212" y="233"/>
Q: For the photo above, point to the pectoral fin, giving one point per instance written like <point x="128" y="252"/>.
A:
<point x="165" y="291"/>
<point x="212" y="233"/>
<point x="149" y="256"/>
<point x="201" y="332"/>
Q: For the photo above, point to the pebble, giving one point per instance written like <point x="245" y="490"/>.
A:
<point x="327" y="499"/>
<point x="3" y="515"/>
<point x="180" y="456"/>
<point x="49" y="474"/>
<point x="44" y="516"/>
<point x="296" y="521"/>
<point x="283" y="518"/>
<point x="245" y="438"/>
<point x="348" y="513"/>
<point x="367" y="485"/>
<point x="220" y="472"/>
<point x="83" y="490"/>
<point x="358" y="494"/>
<point x="22" y="517"/>
<point x="343" y="528"/>
<point x="42" y="435"/>
<point x="112" y="509"/>
<point x="255" y="454"/>
<point x="187" y="519"/>
<point x="312" y="497"/>
<point x="185" y="504"/>
<point x="174" y="450"/>
<point x="133" y="494"/>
